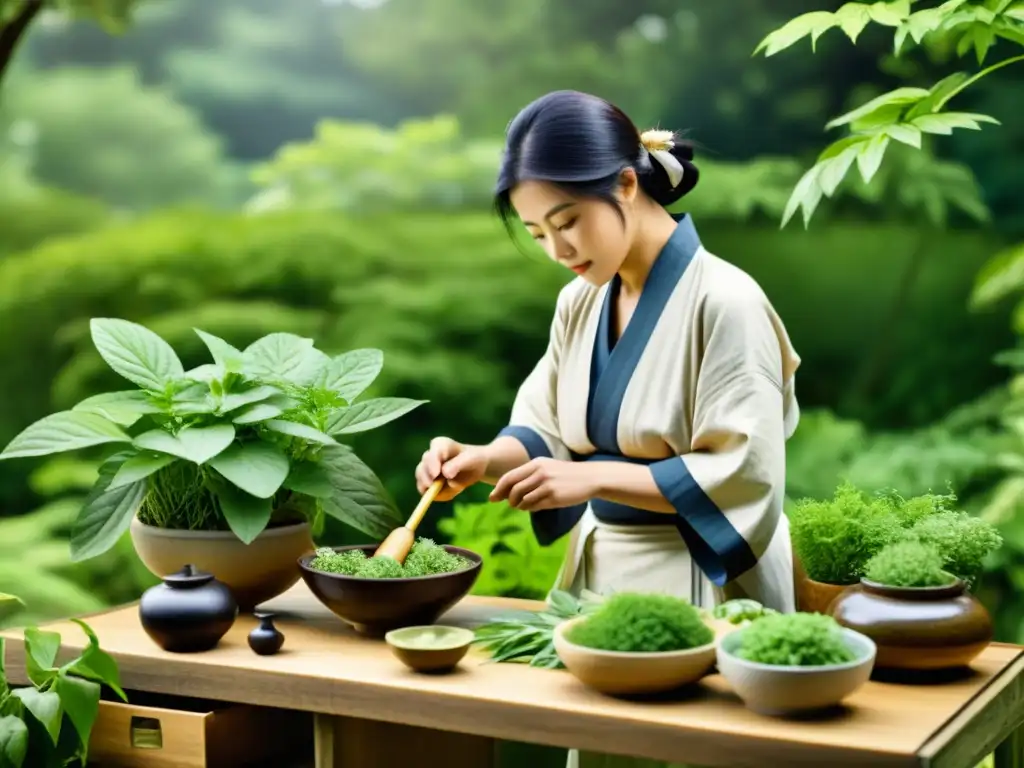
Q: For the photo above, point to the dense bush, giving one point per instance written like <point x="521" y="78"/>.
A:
<point x="460" y="313"/>
<point x="48" y="214"/>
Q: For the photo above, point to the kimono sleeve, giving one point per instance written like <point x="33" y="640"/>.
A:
<point x="534" y="423"/>
<point x="727" y="490"/>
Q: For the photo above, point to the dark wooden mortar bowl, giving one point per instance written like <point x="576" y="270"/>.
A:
<point x="376" y="606"/>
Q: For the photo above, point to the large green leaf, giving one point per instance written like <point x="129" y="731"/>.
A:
<point x="359" y="499"/>
<point x="13" y="742"/>
<point x="96" y="664"/>
<point x="369" y="414"/>
<point x="302" y="431"/>
<point x="247" y="515"/>
<point x="136" y="353"/>
<point x="350" y="373"/>
<point x="81" y="699"/>
<point x="309" y="478"/>
<point x="106" y="514"/>
<point x="235" y="400"/>
<point x="41" y="648"/>
<point x="124" y="408"/>
<point x="64" y="431"/>
<point x="285" y="356"/>
<point x="45" y="707"/>
<point x="257" y="413"/>
<point x="195" y="444"/>
<point x="139" y="467"/>
<point x="224" y="355"/>
<point x="257" y="468"/>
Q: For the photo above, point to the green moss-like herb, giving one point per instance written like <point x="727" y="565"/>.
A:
<point x="834" y="538"/>
<point x="908" y="564"/>
<point x="642" y="623"/>
<point x="794" y="640"/>
<point x="963" y="541"/>
<point x="913" y="510"/>
<point x="426" y="558"/>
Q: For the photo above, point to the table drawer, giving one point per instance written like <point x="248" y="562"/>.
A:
<point x="167" y="732"/>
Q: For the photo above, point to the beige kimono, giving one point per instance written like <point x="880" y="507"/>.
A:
<point x="700" y="388"/>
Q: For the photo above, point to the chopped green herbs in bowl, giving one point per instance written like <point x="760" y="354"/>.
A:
<point x="795" y="662"/>
<point x="377" y="594"/>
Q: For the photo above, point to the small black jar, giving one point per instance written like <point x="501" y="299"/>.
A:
<point x="265" y="639"/>
<point x="190" y="612"/>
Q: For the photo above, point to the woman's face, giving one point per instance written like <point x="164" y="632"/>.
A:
<point x="584" y="235"/>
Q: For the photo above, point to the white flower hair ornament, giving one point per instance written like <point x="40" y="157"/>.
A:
<point x="659" y="144"/>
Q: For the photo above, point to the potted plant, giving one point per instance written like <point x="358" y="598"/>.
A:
<point x="49" y="721"/>
<point x="833" y="539"/>
<point x="914" y="599"/>
<point x="794" y="662"/>
<point x="230" y="466"/>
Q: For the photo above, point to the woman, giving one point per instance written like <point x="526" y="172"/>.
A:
<point x="653" y="429"/>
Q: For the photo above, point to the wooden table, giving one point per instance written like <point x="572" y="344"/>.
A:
<point x="370" y="711"/>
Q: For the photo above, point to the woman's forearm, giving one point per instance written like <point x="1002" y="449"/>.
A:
<point x="503" y="455"/>
<point x="630" y="484"/>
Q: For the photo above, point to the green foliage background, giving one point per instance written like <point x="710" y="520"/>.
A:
<point x="252" y="166"/>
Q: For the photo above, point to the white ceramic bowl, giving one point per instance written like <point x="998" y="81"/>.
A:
<point x="776" y="690"/>
<point x="621" y="673"/>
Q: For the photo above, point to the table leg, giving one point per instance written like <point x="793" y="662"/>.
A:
<point x="349" y="742"/>
<point x="1010" y="754"/>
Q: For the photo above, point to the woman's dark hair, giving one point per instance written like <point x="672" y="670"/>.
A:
<point x="582" y="143"/>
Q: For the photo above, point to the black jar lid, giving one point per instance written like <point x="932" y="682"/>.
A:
<point x="188" y="577"/>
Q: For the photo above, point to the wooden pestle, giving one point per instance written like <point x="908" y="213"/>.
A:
<point x="400" y="541"/>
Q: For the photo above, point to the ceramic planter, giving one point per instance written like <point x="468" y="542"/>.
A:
<point x="817" y="596"/>
<point x="254" y="572"/>
<point x="619" y="673"/>
<point x="917" y="628"/>
<point x="785" y="690"/>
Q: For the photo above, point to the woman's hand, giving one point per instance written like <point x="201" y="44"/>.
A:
<point x="546" y="484"/>
<point x="460" y="465"/>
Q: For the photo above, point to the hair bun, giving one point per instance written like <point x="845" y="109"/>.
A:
<point x="671" y="174"/>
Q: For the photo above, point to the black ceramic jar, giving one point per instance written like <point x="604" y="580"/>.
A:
<point x="265" y="639"/>
<point x="190" y="612"/>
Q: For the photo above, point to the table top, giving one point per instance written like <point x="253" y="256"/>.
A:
<point x="325" y="667"/>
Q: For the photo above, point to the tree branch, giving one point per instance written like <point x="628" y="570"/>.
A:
<point x="12" y="32"/>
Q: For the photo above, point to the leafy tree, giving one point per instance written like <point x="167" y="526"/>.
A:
<point x="102" y="133"/>
<point x="906" y="114"/>
<point x="17" y="15"/>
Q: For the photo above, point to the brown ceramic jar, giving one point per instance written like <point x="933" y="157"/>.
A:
<point x="917" y="628"/>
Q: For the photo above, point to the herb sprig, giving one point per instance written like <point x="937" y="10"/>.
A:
<point x="528" y="636"/>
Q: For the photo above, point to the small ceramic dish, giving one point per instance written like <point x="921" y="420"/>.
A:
<point x="620" y="673"/>
<point x="430" y="648"/>
<point x="783" y="690"/>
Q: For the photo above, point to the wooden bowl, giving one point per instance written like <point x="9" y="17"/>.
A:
<point x="376" y="606"/>
<point x="431" y="648"/>
<point x="771" y="689"/>
<point x="619" y="673"/>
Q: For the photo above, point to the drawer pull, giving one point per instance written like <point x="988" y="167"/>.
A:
<point x="146" y="733"/>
